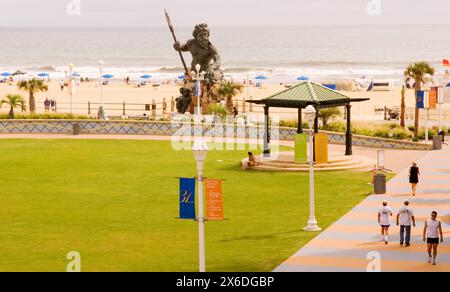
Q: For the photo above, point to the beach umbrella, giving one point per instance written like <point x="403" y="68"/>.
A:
<point x="108" y="76"/>
<point x="43" y="75"/>
<point x="6" y="74"/>
<point x="181" y="77"/>
<point x="146" y="76"/>
<point x="19" y="72"/>
<point x="260" y="77"/>
<point x="303" y="78"/>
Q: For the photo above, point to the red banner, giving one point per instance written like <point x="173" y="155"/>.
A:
<point x="445" y="63"/>
<point x="214" y="201"/>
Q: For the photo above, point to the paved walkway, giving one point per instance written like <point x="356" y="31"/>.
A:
<point x="346" y="244"/>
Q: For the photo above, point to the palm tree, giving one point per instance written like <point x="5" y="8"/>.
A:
<point x="417" y="71"/>
<point x="32" y="86"/>
<point x="228" y="90"/>
<point x="403" y="108"/>
<point x="14" y="101"/>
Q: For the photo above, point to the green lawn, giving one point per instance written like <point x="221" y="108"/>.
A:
<point x="116" y="201"/>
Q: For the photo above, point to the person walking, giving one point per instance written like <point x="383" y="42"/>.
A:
<point x="384" y="219"/>
<point x="405" y="217"/>
<point x="47" y="105"/>
<point x="53" y="105"/>
<point x="431" y="232"/>
<point x="414" y="173"/>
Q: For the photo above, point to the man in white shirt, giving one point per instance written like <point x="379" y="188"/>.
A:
<point x="404" y="217"/>
<point x="431" y="232"/>
<point x="384" y="219"/>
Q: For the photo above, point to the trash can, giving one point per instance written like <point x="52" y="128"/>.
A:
<point x="76" y="129"/>
<point x="380" y="184"/>
<point x="437" y="142"/>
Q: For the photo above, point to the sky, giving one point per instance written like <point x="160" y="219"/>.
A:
<point x="149" y="13"/>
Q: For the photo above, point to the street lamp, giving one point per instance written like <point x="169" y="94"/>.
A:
<point x="310" y="114"/>
<point x="72" y="84"/>
<point x="200" y="151"/>
<point x="198" y="77"/>
<point x="427" y="80"/>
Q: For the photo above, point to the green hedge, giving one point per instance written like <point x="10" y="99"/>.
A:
<point x="48" y="116"/>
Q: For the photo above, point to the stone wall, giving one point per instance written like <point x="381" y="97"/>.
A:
<point x="168" y="129"/>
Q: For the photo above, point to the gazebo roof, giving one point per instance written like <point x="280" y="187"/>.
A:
<point x="308" y="93"/>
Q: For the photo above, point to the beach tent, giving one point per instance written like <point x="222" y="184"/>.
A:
<point x="19" y="72"/>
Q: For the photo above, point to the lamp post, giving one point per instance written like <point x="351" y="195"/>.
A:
<point x="427" y="79"/>
<point x="198" y="77"/>
<point x="310" y="114"/>
<point x="72" y="84"/>
<point x="200" y="151"/>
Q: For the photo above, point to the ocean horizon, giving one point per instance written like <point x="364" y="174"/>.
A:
<point x="282" y="53"/>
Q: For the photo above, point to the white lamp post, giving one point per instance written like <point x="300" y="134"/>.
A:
<point x="198" y="77"/>
<point x="102" y="107"/>
<point x="310" y="114"/>
<point x="200" y="151"/>
<point x="427" y="79"/>
<point x="72" y="84"/>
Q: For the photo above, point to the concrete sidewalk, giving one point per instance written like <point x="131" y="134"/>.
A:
<point x="347" y="244"/>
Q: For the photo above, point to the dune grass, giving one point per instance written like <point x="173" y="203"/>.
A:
<point x="116" y="202"/>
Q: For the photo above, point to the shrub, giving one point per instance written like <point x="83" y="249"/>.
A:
<point x="48" y="116"/>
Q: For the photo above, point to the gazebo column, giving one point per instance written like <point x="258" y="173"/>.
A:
<point x="266" y="132"/>
<point x="348" y="134"/>
<point x="299" y="128"/>
<point x="316" y="122"/>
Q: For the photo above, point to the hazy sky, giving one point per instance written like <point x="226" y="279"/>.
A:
<point x="52" y="13"/>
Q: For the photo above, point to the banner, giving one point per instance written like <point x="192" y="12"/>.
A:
<point x="421" y="99"/>
<point x="446" y="63"/>
<point x="433" y="97"/>
<point x="187" y="198"/>
<point x="214" y="201"/>
<point x="301" y="148"/>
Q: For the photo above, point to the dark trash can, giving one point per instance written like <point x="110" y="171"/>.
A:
<point x="437" y="142"/>
<point x="380" y="184"/>
<point x="76" y="129"/>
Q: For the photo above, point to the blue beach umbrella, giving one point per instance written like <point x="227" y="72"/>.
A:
<point x="108" y="76"/>
<point x="303" y="78"/>
<point x="181" y="77"/>
<point x="43" y="75"/>
<point x="260" y="77"/>
<point x="6" y="74"/>
<point x="146" y="76"/>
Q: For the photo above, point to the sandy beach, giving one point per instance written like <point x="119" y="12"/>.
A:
<point x="116" y="93"/>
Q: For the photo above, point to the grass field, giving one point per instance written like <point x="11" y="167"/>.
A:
<point x="116" y="201"/>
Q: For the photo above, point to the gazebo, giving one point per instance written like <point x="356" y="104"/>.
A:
<point x="304" y="94"/>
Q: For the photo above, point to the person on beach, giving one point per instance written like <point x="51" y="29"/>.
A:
<point x="384" y="219"/>
<point x="405" y="217"/>
<point x="235" y="112"/>
<point x="62" y="84"/>
<point x="164" y="105"/>
<point x="47" y="105"/>
<point x="251" y="162"/>
<point x="414" y="177"/>
<point x="53" y="105"/>
<point x="431" y="232"/>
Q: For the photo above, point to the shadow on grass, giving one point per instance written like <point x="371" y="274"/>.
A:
<point x="261" y="237"/>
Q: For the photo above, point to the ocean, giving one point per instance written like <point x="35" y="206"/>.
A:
<point x="281" y="53"/>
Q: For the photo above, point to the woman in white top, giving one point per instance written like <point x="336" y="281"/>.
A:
<point x="431" y="232"/>
<point x="384" y="219"/>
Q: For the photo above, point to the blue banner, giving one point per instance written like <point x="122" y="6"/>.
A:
<point x="187" y="198"/>
<point x="420" y="99"/>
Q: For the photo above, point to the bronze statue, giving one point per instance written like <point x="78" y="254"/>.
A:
<point x="203" y="53"/>
<point x="184" y="100"/>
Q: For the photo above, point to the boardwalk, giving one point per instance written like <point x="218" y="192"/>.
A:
<point x="348" y="243"/>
